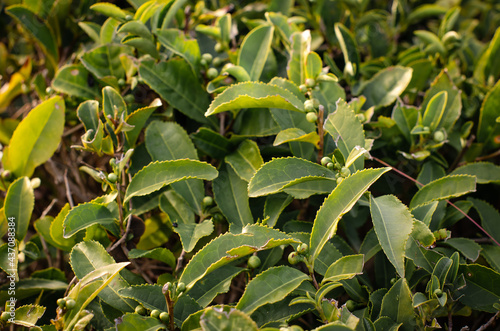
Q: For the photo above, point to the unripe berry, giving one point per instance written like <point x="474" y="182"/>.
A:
<point x="293" y="258"/>
<point x="311" y="117"/>
<point x="70" y="303"/>
<point x="112" y="177"/>
<point x="315" y="103"/>
<point x="155" y="313"/>
<point x="207" y="57"/>
<point x="140" y="310"/>
<point x="393" y="281"/>
<point x="303" y="88"/>
<point x="203" y="63"/>
<point x="310" y="82"/>
<point x="129" y="18"/>
<point x="207" y="201"/>
<point x="344" y="172"/>
<point x="361" y="117"/>
<point x="302" y="249"/>
<point x="438" y="136"/>
<point x="330" y="165"/>
<point x="309" y="106"/>
<point x="129" y="98"/>
<point x="121" y="82"/>
<point x="325" y="160"/>
<point x="218" y="47"/>
<point x="5" y="316"/>
<point x="254" y="262"/>
<point x="218" y="217"/>
<point x="339" y="180"/>
<point x="212" y="73"/>
<point x="49" y="90"/>
<point x="164" y="317"/>
<point x="181" y="287"/>
<point x="217" y="62"/>
<point x="61" y="302"/>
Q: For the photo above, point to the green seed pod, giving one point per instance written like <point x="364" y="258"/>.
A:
<point x="217" y="62"/>
<point x="112" y="177"/>
<point x="164" y="317"/>
<point x="361" y="117"/>
<point x="61" y="302"/>
<point x="325" y="160"/>
<point x="302" y="249"/>
<point x="218" y="47"/>
<point x="181" y="287"/>
<point x="140" y="310"/>
<point x="155" y="313"/>
<point x="203" y="63"/>
<point x="70" y="303"/>
<point x="207" y="201"/>
<point x="293" y="258"/>
<point x="330" y="165"/>
<point x="207" y="57"/>
<point x="129" y="18"/>
<point x="310" y="82"/>
<point x="212" y="73"/>
<point x="121" y="82"/>
<point x="344" y="172"/>
<point x="303" y="88"/>
<point x="309" y="106"/>
<point x="438" y="136"/>
<point x="253" y="262"/>
<point x="311" y="117"/>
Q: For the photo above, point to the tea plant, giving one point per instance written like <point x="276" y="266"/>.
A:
<point x="273" y="165"/>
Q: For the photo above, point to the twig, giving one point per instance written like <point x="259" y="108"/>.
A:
<point x="72" y="130"/>
<point x="123" y="237"/>
<point x="49" y="207"/>
<point x="462" y="152"/>
<point x="488" y="156"/>
<point x="180" y="261"/>
<point x="490" y="322"/>
<point x="46" y="251"/>
<point x="450" y="321"/>
<point x="448" y="201"/>
<point x="136" y="266"/>
<point x="68" y="191"/>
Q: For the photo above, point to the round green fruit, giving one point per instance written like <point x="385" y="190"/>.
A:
<point x="302" y="249"/>
<point x="339" y="180"/>
<point x="207" y="57"/>
<point x="5" y="316"/>
<point x="325" y="160"/>
<point x="70" y="303"/>
<point x="140" y="310"/>
<point x="212" y="73"/>
<point x="310" y="82"/>
<point x="207" y="201"/>
<point x="112" y="177"/>
<point x="330" y="165"/>
<point x="155" y="313"/>
<point x="316" y="103"/>
<point x="311" y="117"/>
<point x="438" y="136"/>
<point x="309" y="106"/>
<point x="344" y="172"/>
<point x="49" y="90"/>
<point x="181" y="287"/>
<point x="254" y="262"/>
<point x="218" y="47"/>
<point x="61" y="302"/>
<point x="203" y="63"/>
<point x="303" y="88"/>
<point x="164" y="317"/>
<point x="121" y="82"/>
<point x="361" y="117"/>
<point x="6" y="174"/>
<point x="393" y="281"/>
<point x="129" y="98"/>
<point x="293" y="258"/>
<point x="129" y="18"/>
<point x="217" y="62"/>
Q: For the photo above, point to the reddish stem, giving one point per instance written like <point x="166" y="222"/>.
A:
<point x="448" y="201"/>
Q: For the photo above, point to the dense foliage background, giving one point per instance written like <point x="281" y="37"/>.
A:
<point x="205" y="165"/>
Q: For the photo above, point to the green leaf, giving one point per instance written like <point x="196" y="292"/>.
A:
<point x="254" y="95"/>
<point x="304" y="187"/>
<point x="301" y="46"/>
<point x="138" y="119"/>
<point x="89" y="256"/>
<point x="422" y="257"/>
<point x="172" y="11"/>
<point x="18" y="206"/>
<point x="490" y="217"/>
<point x="347" y="131"/>
<point x="73" y="80"/>
<point x="339" y="202"/>
<point x="175" y="41"/>
<point x="156" y="175"/>
<point x="255" y="49"/>
<point x="230" y="192"/>
<point x="349" y="49"/>
<point x="214" y="319"/>
<point x="148" y="295"/>
<point x="29" y="287"/>
<point x="275" y="204"/>
<point x="344" y="268"/>
<point x="467" y="247"/>
<point x="296" y="134"/>
<point x="159" y="254"/>
<point x="39" y="29"/>
<point x="313" y="65"/>
<point x="488" y="128"/>
<point x="28" y="315"/>
<point x="132" y="322"/>
<point x="136" y="28"/>
<point x="405" y="118"/>
<point x="430" y="171"/>
<point x="280" y="311"/>
<point x="444" y="188"/>
<point x="216" y="282"/>
<point x="176" y="207"/>
<point x="270" y="286"/>
<point x="112" y="102"/>
<point x="88" y="214"/>
<point x="229" y="247"/>
<point x="385" y="86"/>
<point x="176" y="83"/>
<point x="212" y="143"/>
<point x="104" y="60"/>
<point x="435" y="110"/>
<point x="397" y="305"/>
<point x="273" y="176"/>
<point x="485" y="172"/>
<point x="191" y="233"/>
<point x="393" y="224"/>
<point x="36" y="138"/>
<point x="481" y="291"/>
<point x="245" y="160"/>
<point x="109" y="9"/>
<point x="492" y="255"/>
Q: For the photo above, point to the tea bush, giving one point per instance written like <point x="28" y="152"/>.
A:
<point x="250" y="165"/>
